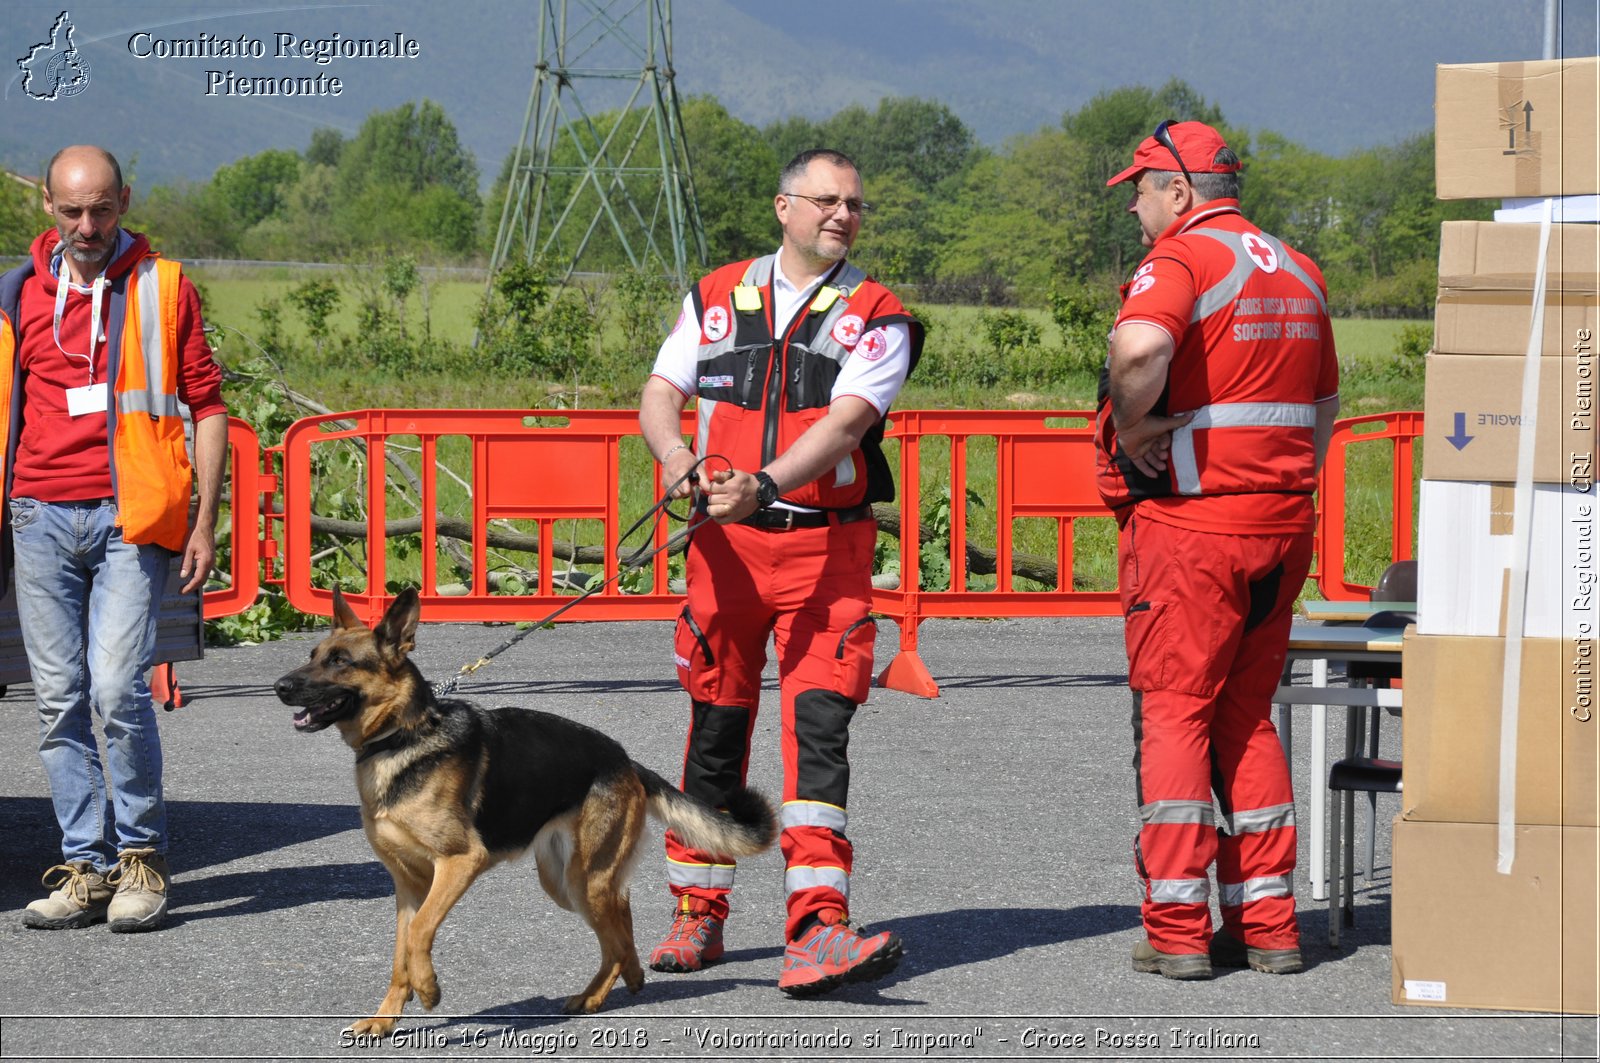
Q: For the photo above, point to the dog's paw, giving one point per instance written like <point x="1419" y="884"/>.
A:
<point x="580" y="1004"/>
<point x="427" y="991"/>
<point x="377" y="1026"/>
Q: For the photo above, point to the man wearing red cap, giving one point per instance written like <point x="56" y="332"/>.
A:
<point x="1216" y="408"/>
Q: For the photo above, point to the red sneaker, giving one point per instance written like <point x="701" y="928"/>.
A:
<point x="694" y="940"/>
<point x="830" y="952"/>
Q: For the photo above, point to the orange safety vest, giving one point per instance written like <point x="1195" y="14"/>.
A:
<point x="759" y="392"/>
<point x="150" y="471"/>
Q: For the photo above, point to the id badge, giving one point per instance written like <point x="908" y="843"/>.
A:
<point x="91" y="398"/>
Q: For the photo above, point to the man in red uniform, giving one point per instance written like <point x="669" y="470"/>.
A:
<point x="793" y="359"/>
<point x="1215" y="412"/>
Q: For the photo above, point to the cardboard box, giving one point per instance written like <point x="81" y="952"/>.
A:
<point x="1497" y="321"/>
<point x="1465" y="936"/>
<point x="1464" y="546"/>
<point x="1450" y="766"/>
<point x="1473" y="418"/>
<point x="1502" y="256"/>
<point x="1517" y="129"/>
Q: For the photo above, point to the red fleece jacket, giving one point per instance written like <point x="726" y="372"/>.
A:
<point x="61" y="458"/>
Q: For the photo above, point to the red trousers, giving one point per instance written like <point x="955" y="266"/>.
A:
<point x="810" y="589"/>
<point x="1207" y="632"/>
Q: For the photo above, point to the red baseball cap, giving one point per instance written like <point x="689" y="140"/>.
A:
<point x="1197" y="145"/>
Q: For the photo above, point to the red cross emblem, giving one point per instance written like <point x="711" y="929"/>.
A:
<point x="873" y="345"/>
<point x="847" y="330"/>
<point x="716" y="323"/>
<point x="1261" y="251"/>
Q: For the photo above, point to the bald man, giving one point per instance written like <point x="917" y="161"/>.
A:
<point x="102" y="352"/>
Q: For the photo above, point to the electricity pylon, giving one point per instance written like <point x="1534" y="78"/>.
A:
<point x="581" y="178"/>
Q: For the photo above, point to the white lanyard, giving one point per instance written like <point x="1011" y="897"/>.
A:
<point x="96" y="332"/>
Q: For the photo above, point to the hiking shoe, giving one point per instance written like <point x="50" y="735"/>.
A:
<point x="831" y="952"/>
<point x="80" y="897"/>
<point x="1229" y="951"/>
<point x="140" y="902"/>
<point x="1184" y="966"/>
<point x="694" y="940"/>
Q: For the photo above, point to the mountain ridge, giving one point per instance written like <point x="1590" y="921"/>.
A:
<point x="1333" y="76"/>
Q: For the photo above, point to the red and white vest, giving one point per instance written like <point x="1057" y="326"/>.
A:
<point x="758" y="392"/>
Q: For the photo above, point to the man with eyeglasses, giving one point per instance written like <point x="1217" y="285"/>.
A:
<point x="794" y="360"/>
<point x="1216" y="408"/>
<point x="101" y="347"/>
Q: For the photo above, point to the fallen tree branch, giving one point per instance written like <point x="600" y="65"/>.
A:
<point x="981" y="561"/>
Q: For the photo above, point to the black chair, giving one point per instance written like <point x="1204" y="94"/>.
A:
<point x="1367" y="774"/>
<point x="1371" y="776"/>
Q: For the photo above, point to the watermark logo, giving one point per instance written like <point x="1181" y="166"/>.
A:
<point x="55" y="68"/>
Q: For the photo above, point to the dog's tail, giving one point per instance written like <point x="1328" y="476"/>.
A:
<point x="747" y="828"/>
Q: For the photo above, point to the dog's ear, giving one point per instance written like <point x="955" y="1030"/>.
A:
<point x="343" y="615"/>
<point x="397" y="631"/>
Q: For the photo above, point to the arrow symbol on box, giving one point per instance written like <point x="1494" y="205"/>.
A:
<point x="1460" y="439"/>
<point x="1527" y="117"/>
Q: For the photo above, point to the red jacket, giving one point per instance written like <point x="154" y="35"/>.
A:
<point x="151" y="352"/>
<point x="1253" y="355"/>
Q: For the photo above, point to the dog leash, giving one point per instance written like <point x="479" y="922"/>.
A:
<point x="631" y="563"/>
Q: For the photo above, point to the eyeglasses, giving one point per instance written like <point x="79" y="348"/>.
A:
<point x="1164" y="138"/>
<point x="829" y="204"/>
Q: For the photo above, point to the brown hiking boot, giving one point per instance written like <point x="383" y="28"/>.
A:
<point x="140" y="902"/>
<point x="80" y="898"/>
<point x="1229" y="951"/>
<point x="1184" y="966"/>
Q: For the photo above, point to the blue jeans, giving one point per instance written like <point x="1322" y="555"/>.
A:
<point x="88" y="603"/>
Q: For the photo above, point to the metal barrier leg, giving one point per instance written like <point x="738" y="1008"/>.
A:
<point x="1373" y="718"/>
<point x="1335" y="874"/>
<point x="1319" y="785"/>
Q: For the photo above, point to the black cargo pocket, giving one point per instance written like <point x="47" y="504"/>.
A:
<point x="697" y="665"/>
<point x="1149" y="646"/>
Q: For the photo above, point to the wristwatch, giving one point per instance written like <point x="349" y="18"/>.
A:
<point x="766" y="490"/>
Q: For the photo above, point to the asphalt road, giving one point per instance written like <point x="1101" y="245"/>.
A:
<point x="992" y="829"/>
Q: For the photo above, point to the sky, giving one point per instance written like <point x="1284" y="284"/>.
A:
<point x="1333" y="75"/>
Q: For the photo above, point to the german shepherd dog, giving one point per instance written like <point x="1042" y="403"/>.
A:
<point x="449" y="789"/>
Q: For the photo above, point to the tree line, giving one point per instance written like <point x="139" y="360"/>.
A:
<point x="952" y="220"/>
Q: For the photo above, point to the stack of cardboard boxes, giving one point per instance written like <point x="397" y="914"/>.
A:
<point x="1464" y="934"/>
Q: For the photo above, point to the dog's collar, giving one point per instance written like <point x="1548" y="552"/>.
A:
<point x="385" y="741"/>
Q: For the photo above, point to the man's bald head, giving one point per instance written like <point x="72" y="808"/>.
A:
<point x="80" y="156"/>
<point x="84" y="193"/>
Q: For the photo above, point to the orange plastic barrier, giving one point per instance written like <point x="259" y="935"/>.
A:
<point x="545" y="467"/>
<point x="1385" y="437"/>
<point x="249" y="485"/>
<point x="538" y="466"/>
<point x="1044" y="465"/>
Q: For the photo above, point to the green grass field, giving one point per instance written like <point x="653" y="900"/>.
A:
<point x="444" y="309"/>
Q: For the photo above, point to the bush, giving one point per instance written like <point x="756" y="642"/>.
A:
<point x="1084" y="315"/>
<point x="1411" y="349"/>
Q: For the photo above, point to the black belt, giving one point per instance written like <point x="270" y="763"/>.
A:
<point x="789" y="519"/>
